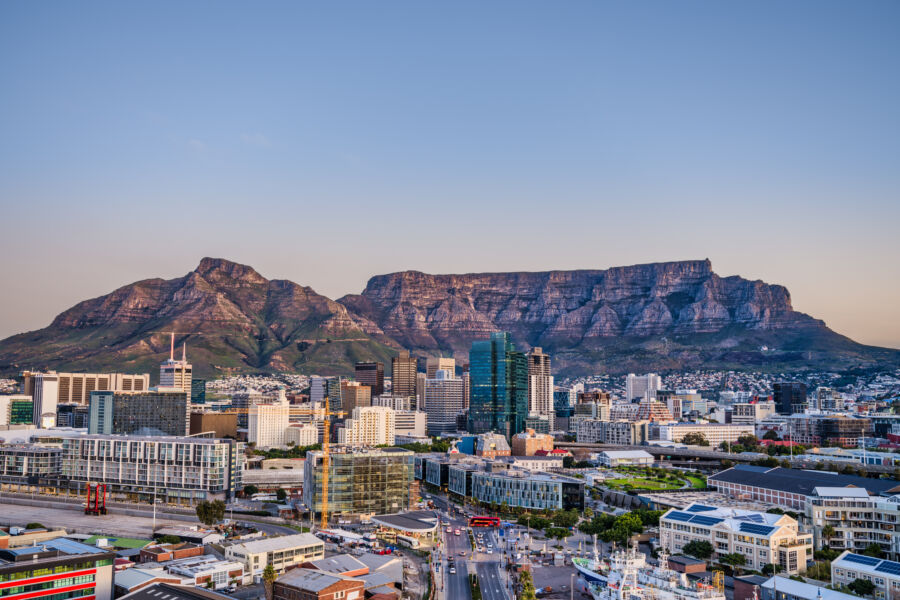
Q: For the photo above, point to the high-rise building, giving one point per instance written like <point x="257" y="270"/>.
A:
<point x="16" y="409"/>
<point x="403" y="374"/>
<point x="420" y="390"/>
<point x="372" y="375"/>
<point x="410" y="423"/>
<point x="642" y="386"/>
<point x="394" y="401"/>
<point x="198" y="391"/>
<point x="540" y="385"/>
<point x="267" y="422"/>
<point x="789" y="397"/>
<point x="439" y="363"/>
<point x="76" y="388"/>
<point x="369" y="426"/>
<point x="72" y="415"/>
<point x="45" y="395"/>
<point x="499" y="379"/>
<point x="444" y="400"/>
<point x="371" y="481"/>
<point x="354" y="394"/>
<point x="242" y="401"/>
<point x="829" y="399"/>
<point x="158" y="411"/>
<point x="176" y="373"/>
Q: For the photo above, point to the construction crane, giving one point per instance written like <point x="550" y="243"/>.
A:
<point x="326" y="448"/>
<point x="719" y="581"/>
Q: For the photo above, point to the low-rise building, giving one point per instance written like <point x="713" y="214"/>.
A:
<point x="526" y="489"/>
<point x="714" y="433"/>
<point x="762" y="538"/>
<point x="57" y="568"/>
<point x="619" y="458"/>
<point x="623" y="433"/>
<point x="528" y="442"/>
<point x="282" y="553"/>
<point x="165" y="552"/>
<point x="784" y="588"/>
<point x="885" y="574"/>
<point x="207" y="571"/>
<point x="312" y="584"/>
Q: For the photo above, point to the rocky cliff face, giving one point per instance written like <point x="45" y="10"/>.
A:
<point x="570" y="307"/>
<point x="230" y="316"/>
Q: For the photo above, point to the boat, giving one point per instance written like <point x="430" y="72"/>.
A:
<point x="626" y="575"/>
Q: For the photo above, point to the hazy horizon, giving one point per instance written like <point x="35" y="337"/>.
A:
<point x="326" y="144"/>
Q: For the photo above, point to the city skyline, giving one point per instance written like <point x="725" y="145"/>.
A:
<point x="325" y="146"/>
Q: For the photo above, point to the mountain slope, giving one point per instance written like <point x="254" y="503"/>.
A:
<point x="231" y="317"/>
<point x="656" y="316"/>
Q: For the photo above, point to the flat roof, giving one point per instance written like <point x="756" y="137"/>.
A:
<point x="420" y="520"/>
<point x="311" y="579"/>
<point x="279" y="543"/>
<point x="799" y="481"/>
<point x="804" y="590"/>
<point x="169" y="591"/>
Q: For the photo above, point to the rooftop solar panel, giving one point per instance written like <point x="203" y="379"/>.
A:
<point x="703" y="520"/>
<point x="862" y="560"/>
<point x="699" y="508"/>
<point x="680" y="516"/>
<point x="889" y="567"/>
<point x="757" y="529"/>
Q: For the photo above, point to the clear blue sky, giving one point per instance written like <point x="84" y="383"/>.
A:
<point x="328" y="142"/>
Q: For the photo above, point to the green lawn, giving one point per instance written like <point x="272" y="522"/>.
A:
<point x="641" y="483"/>
<point x="697" y="482"/>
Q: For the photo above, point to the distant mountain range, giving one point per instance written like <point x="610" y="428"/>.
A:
<point x="675" y="315"/>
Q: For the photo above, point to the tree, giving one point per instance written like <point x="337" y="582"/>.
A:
<point x="168" y="539"/>
<point x="862" y="587"/>
<point x="695" y="438"/>
<point x="35" y="526"/>
<point x="775" y="511"/>
<point x="771" y="569"/>
<point x="527" y="584"/>
<point x="828" y="532"/>
<point x="735" y="559"/>
<point x="874" y="550"/>
<point x="280" y="494"/>
<point x="748" y="440"/>
<point x="250" y="490"/>
<point x="269" y="576"/>
<point x="568" y="462"/>
<point x="210" y="512"/>
<point x="771" y="435"/>
<point x="557" y="532"/>
<point x="698" y="549"/>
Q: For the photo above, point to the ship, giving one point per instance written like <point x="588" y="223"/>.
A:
<point x="626" y="575"/>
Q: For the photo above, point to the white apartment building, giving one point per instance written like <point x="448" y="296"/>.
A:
<point x="369" y="426"/>
<point x="45" y="395"/>
<point x="857" y="518"/>
<point x="76" y="388"/>
<point x="715" y="433"/>
<point x="885" y="574"/>
<point x="624" y="433"/>
<point x="762" y="538"/>
<point x="410" y="423"/>
<point x="750" y="413"/>
<point x="281" y="552"/>
<point x="444" y="399"/>
<point x="267" y="423"/>
<point x="642" y="386"/>
<point x="305" y="434"/>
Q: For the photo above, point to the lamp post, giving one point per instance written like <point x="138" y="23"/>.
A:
<point x="572" y="586"/>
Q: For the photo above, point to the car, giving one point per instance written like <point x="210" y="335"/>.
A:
<point x="449" y="530"/>
<point x="462" y="552"/>
<point x="490" y="545"/>
<point x="230" y="589"/>
<point x="490" y="551"/>
<point x="452" y="571"/>
<point x="457" y="532"/>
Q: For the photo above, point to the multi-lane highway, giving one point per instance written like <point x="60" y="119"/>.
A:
<point x="456" y="585"/>
<point x="492" y="585"/>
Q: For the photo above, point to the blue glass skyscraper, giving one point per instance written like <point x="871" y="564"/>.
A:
<point x="499" y="386"/>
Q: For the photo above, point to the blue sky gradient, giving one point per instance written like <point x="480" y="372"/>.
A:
<point x="328" y="142"/>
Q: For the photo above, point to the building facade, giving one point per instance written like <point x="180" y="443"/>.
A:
<point x="267" y="423"/>
<point x="642" y="386"/>
<point x="57" y="569"/>
<point x="789" y="397"/>
<point x="540" y="385"/>
<point x="433" y="364"/>
<point x="158" y="411"/>
<point x="372" y="375"/>
<point x="528" y="442"/>
<point x="282" y="552"/>
<point x="444" y="400"/>
<point x="369" y="426"/>
<point x="499" y="381"/>
<point x="354" y="395"/>
<point x="714" y="433"/>
<point x="623" y="433"/>
<point x="403" y="374"/>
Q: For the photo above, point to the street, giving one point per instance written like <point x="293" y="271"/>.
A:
<point x="456" y="586"/>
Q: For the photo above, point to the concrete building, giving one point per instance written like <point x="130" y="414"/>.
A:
<point x="77" y="387"/>
<point x="222" y="425"/>
<point x="369" y="426"/>
<point x="176" y="373"/>
<point x="750" y="413"/>
<point x="207" y="571"/>
<point x="528" y="442"/>
<point x="372" y="375"/>
<point x="242" y="401"/>
<point x="885" y="574"/>
<point x="72" y="415"/>
<point x="403" y="375"/>
<point x="45" y="394"/>
<point x="410" y="423"/>
<point x="354" y="395"/>
<point x="789" y="397"/>
<point x="302" y="435"/>
<point x="57" y="568"/>
<point x="527" y="489"/>
<point x="642" y="386"/>
<point x="620" y="458"/>
<point x="433" y="364"/>
<point x="624" y="433"/>
<point x="784" y="588"/>
<point x="714" y="433"/>
<point x="157" y="411"/>
<point x="267" y="422"/>
<point x="828" y="399"/>
<point x="540" y="385"/>
<point x="816" y="429"/>
<point x="16" y="409"/>
<point x="395" y="402"/>
<point x="444" y="400"/>
<point x="762" y="538"/>
<point x="858" y="519"/>
<point x="361" y="481"/>
<point x="491" y="445"/>
<point x="28" y="464"/>
<point x="174" y="469"/>
<point x="282" y="552"/>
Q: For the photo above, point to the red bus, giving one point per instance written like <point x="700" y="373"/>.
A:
<point x="484" y="522"/>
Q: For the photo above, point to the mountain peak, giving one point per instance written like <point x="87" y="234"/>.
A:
<point x="213" y="268"/>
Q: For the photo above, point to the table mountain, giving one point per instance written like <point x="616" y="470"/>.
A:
<point x="660" y="316"/>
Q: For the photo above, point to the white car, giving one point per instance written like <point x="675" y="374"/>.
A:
<point x="490" y="551"/>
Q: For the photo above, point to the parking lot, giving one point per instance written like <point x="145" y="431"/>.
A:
<point x="75" y="521"/>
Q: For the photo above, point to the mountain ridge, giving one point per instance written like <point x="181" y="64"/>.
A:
<point x="676" y="315"/>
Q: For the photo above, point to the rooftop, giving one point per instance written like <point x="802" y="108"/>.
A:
<point x="626" y="454"/>
<point x="804" y="590"/>
<point x="341" y="563"/>
<point x="798" y="481"/>
<point x="279" y="543"/>
<point x="168" y="591"/>
<point x="310" y="579"/>
<point x="419" y="520"/>
<point x="868" y="564"/>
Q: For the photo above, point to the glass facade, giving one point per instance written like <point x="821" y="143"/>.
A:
<point x="499" y="386"/>
<point x="21" y="412"/>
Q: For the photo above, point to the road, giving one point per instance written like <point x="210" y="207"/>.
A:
<point x="493" y="586"/>
<point x="456" y="586"/>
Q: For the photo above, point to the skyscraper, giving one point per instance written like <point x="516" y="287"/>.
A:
<point x="444" y="400"/>
<point x="176" y="373"/>
<point x="540" y="385"/>
<point x="790" y="397"/>
<point x="267" y="422"/>
<point x="353" y="394"/>
<point x="372" y="375"/>
<point x="45" y="395"/>
<point x="438" y="363"/>
<point x="499" y="386"/>
<point x="403" y="374"/>
<point x="157" y="411"/>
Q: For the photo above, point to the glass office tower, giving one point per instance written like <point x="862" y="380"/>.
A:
<point x="499" y="386"/>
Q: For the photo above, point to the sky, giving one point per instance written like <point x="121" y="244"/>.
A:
<point x="328" y="142"/>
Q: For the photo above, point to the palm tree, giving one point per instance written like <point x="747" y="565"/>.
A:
<point x="269" y="576"/>
<point x="828" y="532"/>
